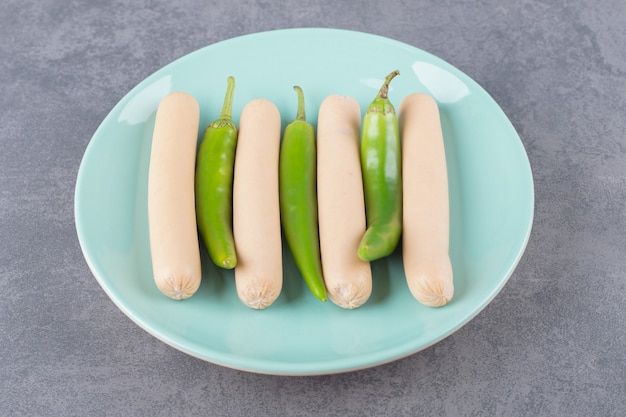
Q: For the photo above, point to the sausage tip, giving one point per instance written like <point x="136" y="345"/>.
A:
<point x="349" y="295"/>
<point x="178" y="287"/>
<point x="430" y="289"/>
<point x="257" y="295"/>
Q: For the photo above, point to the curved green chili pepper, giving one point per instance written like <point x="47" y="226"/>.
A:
<point x="298" y="198"/>
<point x="382" y="176"/>
<point x="214" y="185"/>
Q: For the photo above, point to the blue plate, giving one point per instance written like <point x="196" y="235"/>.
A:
<point x="491" y="197"/>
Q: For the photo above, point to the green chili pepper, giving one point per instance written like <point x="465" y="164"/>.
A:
<point x="298" y="198"/>
<point x="382" y="178"/>
<point x="214" y="185"/>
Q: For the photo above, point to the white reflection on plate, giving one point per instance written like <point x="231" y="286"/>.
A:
<point x="141" y="106"/>
<point x="443" y="85"/>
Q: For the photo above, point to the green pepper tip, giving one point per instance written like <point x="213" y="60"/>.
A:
<point x="227" y="108"/>
<point x="229" y="263"/>
<point x="363" y="252"/>
<point x="384" y="89"/>
<point x="320" y="294"/>
<point x="300" y="113"/>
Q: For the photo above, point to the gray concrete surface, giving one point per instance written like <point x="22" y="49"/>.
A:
<point x="552" y="343"/>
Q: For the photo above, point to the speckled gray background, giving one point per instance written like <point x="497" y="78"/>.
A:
<point x="552" y="343"/>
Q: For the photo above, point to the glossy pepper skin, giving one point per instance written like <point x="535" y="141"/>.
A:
<point x="382" y="176"/>
<point x="298" y="198"/>
<point x="214" y="185"/>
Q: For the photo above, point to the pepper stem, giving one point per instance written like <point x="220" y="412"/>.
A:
<point x="300" y="115"/>
<point x="227" y="108"/>
<point x="384" y="90"/>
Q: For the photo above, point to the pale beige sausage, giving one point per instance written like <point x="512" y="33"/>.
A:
<point x="256" y="209"/>
<point x="171" y="206"/>
<point x="426" y="222"/>
<point x="341" y="207"/>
